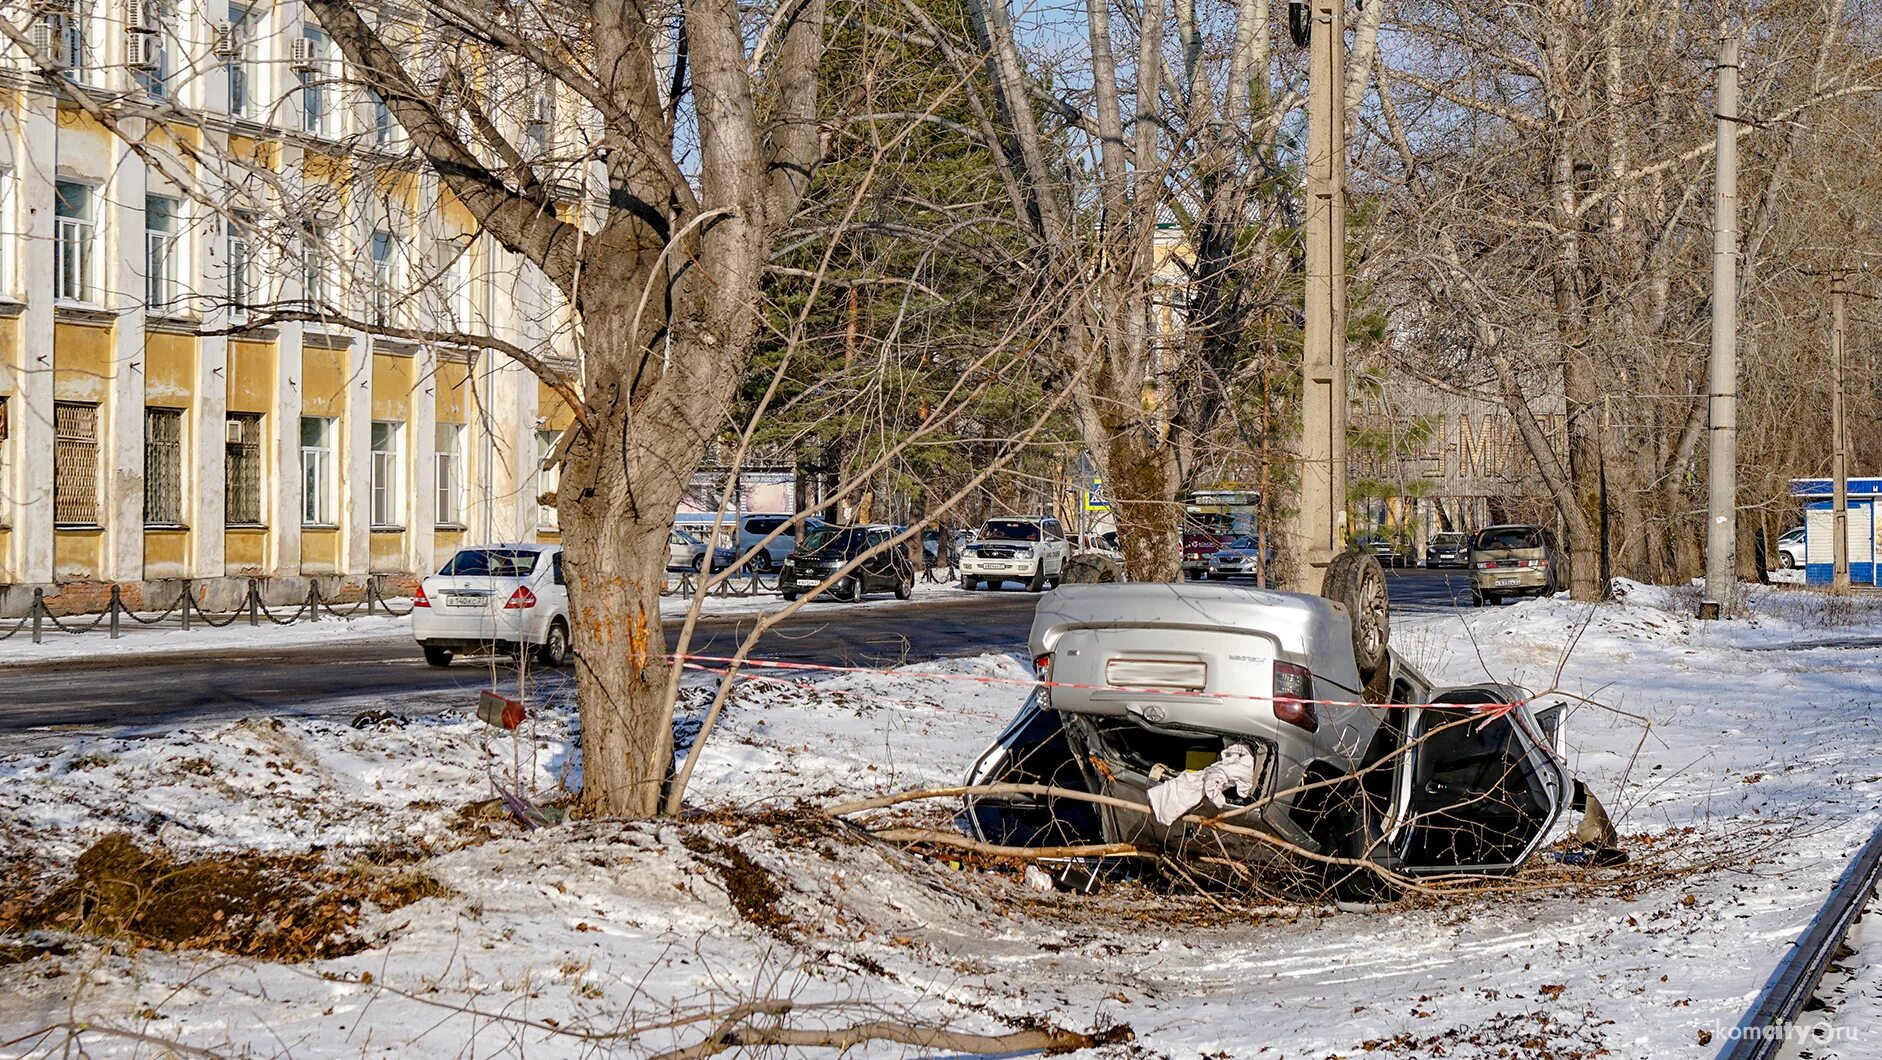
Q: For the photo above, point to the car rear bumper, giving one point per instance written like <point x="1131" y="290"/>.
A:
<point x="1518" y="580"/>
<point x="974" y="566"/>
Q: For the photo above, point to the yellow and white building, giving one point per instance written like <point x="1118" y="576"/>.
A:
<point x="145" y="438"/>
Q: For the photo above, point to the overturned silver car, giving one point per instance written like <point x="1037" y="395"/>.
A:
<point x="1167" y="697"/>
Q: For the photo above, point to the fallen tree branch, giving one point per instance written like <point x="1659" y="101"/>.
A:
<point x="955" y="839"/>
<point x="736" y="1033"/>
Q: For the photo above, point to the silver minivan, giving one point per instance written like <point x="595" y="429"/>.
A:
<point x="1144" y="683"/>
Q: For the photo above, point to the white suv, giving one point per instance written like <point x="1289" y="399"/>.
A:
<point x="1030" y="549"/>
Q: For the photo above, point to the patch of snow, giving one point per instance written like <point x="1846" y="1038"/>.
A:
<point x="1706" y="743"/>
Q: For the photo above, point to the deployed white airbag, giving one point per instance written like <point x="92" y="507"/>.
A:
<point x="1181" y="793"/>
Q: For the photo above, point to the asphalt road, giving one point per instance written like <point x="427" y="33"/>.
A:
<point x="141" y="691"/>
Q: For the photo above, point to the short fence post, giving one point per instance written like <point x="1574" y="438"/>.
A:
<point x="254" y="598"/>
<point x="186" y="604"/>
<point x="39" y="606"/>
<point x="371" y="584"/>
<point x="313" y="600"/>
<point x="117" y="601"/>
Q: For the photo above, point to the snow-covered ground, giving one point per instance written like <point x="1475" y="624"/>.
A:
<point x="1739" y="759"/>
<point x="240" y="636"/>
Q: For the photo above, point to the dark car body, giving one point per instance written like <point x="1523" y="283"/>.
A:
<point x="1448" y="550"/>
<point x="828" y="549"/>
<point x="1384" y="549"/>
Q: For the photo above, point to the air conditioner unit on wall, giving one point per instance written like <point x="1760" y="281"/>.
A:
<point x="222" y="43"/>
<point x="142" y="16"/>
<point x="141" y="51"/>
<point x="301" y="57"/>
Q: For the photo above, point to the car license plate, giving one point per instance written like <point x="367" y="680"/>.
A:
<point x="463" y="600"/>
<point x="998" y="566"/>
<point x="1506" y="579"/>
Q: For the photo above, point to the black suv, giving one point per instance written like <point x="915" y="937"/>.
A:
<point x="829" y="548"/>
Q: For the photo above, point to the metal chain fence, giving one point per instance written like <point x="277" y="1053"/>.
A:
<point x="373" y="601"/>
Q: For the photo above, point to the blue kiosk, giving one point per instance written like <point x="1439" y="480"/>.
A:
<point x="1863" y="495"/>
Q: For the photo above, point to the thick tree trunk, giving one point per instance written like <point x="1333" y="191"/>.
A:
<point x="1140" y="481"/>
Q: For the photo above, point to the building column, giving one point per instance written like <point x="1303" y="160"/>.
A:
<point x="208" y="282"/>
<point x="122" y="217"/>
<point x="421" y="502"/>
<point x="281" y="501"/>
<point x="30" y="417"/>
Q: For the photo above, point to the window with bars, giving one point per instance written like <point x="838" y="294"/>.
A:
<point x="74" y="464"/>
<point x="163" y="467"/>
<point x="160" y="253"/>
<point x="317" y="483"/>
<point x="548" y="480"/>
<point x="75" y="238"/>
<point x="450" y="474"/>
<point x="241" y="466"/>
<point x="386" y="485"/>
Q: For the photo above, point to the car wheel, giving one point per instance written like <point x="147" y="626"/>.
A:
<point x="789" y="597"/>
<point x="1037" y="583"/>
<point x="1355" y="580"/>
<point x="762" y="562"/>
<point x="555" y="647"/>
<point x="437" y="656"/>
<point x="1784" y="560"/>
<point x="1476" y="598"/>
<point x="904" y="588"/>
<point x="969" y="584"/>
<point x="848" y="590"/>
<point x="699" y="563"/>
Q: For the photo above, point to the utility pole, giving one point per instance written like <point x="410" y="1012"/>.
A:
<point x="1839" y="448"/>
<point x="1320" y="524"/>
<point x="1721" y="595"/>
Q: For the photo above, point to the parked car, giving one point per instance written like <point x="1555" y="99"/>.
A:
<point x="1790" y="548"/>
<point x="1198" y="546"/>
<point x="687" y="552"/>
<point x="1384" y="549"/>
<point x="828" y="549"/>
<point x="495" y="597"/>
<point x="743" y="532"/>
<point x="1149" y="683"/>
<point x="1514" y="560"/>
<point x="1240" y="558"/>
<point x="1448" y="550"/>
<point x="1030" y="549"/>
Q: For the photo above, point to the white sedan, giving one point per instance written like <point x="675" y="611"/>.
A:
<point x="509" y="597"/>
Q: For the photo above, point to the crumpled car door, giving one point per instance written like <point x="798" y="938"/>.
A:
<point x="1031" y="750"/>
<point x="1477" y="792"/>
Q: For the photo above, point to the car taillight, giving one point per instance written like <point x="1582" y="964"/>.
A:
<point x="1042" y="673"/>
<point x="1485" y="564"/>
<point x="420" y="600"/>
<point x="1293" y="686"/>
<point x="521" y="598"/>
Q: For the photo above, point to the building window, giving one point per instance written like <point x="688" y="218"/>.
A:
<point x="317" y="264"/>
<point x="548" y="480"/>
<point x="160" y="253"/>
<point x="147" y="45"/>
<point x="317" y="484"/>
<point x="241" y="470"/>
<point x="385" y="277"/>
<point x="241" y="261"/>
<point x="316" y="93"/>
<point x="66" y="39"/>
<point x="239" y="58"/>
<point x="386" y="491"/>
<point x="74" y="465"/>
<point x="450" y="474"/>
<point x="163" y="467"/>
<point x="76" y="235"/>
<point x="386" y="131"/>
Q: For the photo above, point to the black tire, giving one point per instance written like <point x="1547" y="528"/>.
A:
<point x="970" y="584"/>
<point x="1785" y="561"/>
<point x="789" y="597"/>
<point x="1476" y="598"/>
<point x="437" y="656"/>
<point x="699" y="563"/>
<point x="1037" y="583"/>
<point x="1356" y="581"/>
<point x="762" y="562"/>
<point x="554" y="650"/>
<point x="904" y="588"/>
<point x="848" y="590"/>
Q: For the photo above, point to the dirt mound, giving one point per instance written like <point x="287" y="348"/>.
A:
<point x="275" y="907"/>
